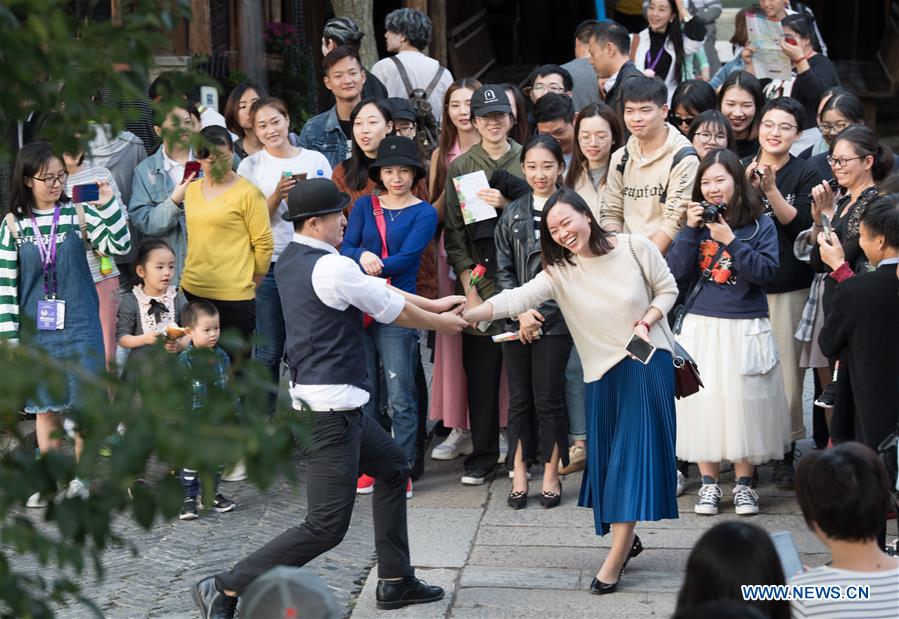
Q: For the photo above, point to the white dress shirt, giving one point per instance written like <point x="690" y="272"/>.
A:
<point x="339" y="283"/>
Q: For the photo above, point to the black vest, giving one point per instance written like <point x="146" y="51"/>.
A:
<point x="323" y="345"/>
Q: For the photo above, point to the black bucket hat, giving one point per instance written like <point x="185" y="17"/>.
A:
<point x="396" y="150"/>
<point x="314" y="197"/>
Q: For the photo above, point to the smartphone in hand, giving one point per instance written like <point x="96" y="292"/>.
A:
<point x="191" y="167"/>
<point x="299" y="177"/>
<point x="86" y="193"/>
<point x="825" y="224"/>
<point x="641" y="349"/>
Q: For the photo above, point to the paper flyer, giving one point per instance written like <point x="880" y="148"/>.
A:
<point x="474" y="209"/>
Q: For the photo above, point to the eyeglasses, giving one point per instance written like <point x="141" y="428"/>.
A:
<point x="783" y="127"/>
<point x="832" y="128"/>
<point x="718" y="138"/>
<point x="839" y="162"/>
<point x="674" y="119"/>
<point x="52" y="181"/>
<point x="591" y="138"/>
<point x="539" y="89"/>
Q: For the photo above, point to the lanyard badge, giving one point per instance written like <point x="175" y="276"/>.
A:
<point x="51" y="312"/>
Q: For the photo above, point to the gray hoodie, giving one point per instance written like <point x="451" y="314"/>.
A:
<point x="119" y="154"/>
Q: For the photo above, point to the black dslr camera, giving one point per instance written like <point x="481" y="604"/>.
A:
<point x="711" y="211"/>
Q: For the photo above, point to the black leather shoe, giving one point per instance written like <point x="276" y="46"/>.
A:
<point x="518" y="499"/>
<point x="551" y="499"/>
<point x="392" y="594"/>
<point x="598" y="587"/>
<point x="636" y="548"/>
<point x="213" y="604"/>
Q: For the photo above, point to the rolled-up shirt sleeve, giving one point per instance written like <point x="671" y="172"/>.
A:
<point x="339" y="283"/>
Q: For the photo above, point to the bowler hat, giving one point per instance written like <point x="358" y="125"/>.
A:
<point x="314" y="197"/>
<point x="490" y="98"/>
<point x="396" y="150"/>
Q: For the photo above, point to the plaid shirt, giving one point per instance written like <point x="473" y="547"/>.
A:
<point x="802" y="249"/>
<point x="222" y="371"/>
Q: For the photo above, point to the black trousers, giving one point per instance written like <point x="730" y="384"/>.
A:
<point x="483" y="363"/>
<point x="537" y="413"/>
<point x="343" y="443"/>
<point x="239" y="315"/>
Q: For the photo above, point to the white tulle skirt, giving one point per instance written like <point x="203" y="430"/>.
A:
<point x="742" y="412"/>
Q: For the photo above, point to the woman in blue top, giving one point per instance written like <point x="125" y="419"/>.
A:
<point x="409" y="224"/>
<point x="742" y="413"/>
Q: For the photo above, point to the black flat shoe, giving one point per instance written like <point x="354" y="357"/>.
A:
<point x="392" y="594"/>
<point x="518" y="499"/>
<point x="598" y="587"/>
<point x="636" y="548"/>
<point x="551" y="499"/>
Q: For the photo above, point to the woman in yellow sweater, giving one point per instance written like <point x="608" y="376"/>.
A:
<point x="229" y="239"/>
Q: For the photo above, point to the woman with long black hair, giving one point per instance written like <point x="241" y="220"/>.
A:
<point x="631" y="473"/>
<point x="662" y="48"/>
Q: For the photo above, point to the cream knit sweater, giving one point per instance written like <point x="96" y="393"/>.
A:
<point x="601" y="299"/>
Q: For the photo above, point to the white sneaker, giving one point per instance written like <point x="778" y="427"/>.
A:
<point x="238" y="473"/>
<point x="36" y="501"/>
<point x="709" y="500"/>
<point x="681" y="484"/>
<point x="458" y="443"/>
<point x="746" y="501"/>
<point x="77" y="489"/>
<point x="503" y="448"/>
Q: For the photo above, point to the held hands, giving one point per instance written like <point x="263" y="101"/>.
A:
<point x="493" y="197"/>
<point x="721" y="231"/>
<point x="831" y="251"/>
<point x="475" y="313"/>
<point x="180" y="190"/>
<point x="823" y="199"/>
<point x="529" y="324"/>
<point x="371" y="264"/>
<point x="445" y="304"/>
<point x="451" y="322"/>
<point x="694" y="215"/>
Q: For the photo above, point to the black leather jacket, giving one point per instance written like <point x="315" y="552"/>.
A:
<point x="518" y="259"/>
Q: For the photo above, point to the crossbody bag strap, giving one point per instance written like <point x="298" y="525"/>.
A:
<point x="378" y="212"/>
<point x="706" y="274"/>
<point x="676" y="359"/>
<point x="407" y="84"/>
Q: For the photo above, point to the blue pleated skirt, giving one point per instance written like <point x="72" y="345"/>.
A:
<point x="631" y="472"/>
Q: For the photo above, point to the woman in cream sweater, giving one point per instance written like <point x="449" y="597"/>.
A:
<point x="590" y="272"/>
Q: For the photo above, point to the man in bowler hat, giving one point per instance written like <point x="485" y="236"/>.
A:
<point x="324" y="296"/>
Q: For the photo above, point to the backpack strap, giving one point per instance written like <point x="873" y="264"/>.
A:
<point x="623" y="163"/>
<point x="436" y="80"/>
<point x="82" y="226"/>
<point x="13" y="227"/>
<point x="679" y="156"/>
<point x="407" y="84"/>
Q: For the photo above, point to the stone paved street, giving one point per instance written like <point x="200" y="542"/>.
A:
<point x="493" y="561"/>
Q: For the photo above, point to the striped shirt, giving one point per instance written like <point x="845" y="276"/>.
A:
<point x="882" y="601"/>
<point x="106" y="229"/>
<point x="537" y="213"/>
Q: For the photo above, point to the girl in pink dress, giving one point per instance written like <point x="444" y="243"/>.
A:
<point x="449" y="399"/>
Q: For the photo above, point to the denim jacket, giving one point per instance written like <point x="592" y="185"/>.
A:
<point x="323" y="133"/>
<point x="152" y="211"/>
<point x="518" y="259"/>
